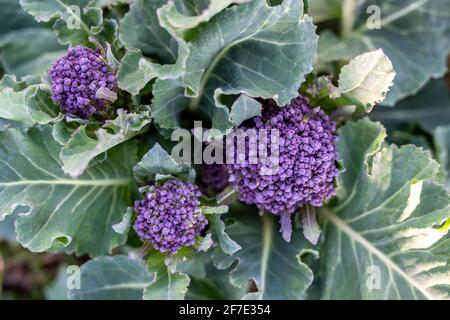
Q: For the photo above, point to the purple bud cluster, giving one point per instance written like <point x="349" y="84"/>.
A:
<point x="169" y="216"/>
<point x="213" y="178"/>
<point x="75" y="79"/>
<point x="307" y="156"/>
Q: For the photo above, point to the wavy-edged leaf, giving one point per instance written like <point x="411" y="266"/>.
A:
<point x="413" y="34"/>
<point x="322" y="10"/>
<point x="81" y="149"/>
<point x="266" y="258"/>
<point x="112" y="278"/>
<point x="31" y="106"/>
<point x="29" y="51"/>
<point x="226" y="244"/>
<point x="45" y="10"/>
<point x="168" y="102"/>
<point x="382" y="240"/>
<point x="168" y="284"/>
<point x="76" y="21"/>
<point x="158" y="162"/>
<point x="429" y="108"/>
<point x="14" y="18"/>
<point x="135" y="72"/>
<point x="243" y="109"/>
<point x="142" y="29"/>
<point x="367" y="78"/>
<point x="442" y="141"/>
<point x="188" y="14"/>
<point x="250" y="48"/>
<point x="75" y="213"/>
<point x="57" y="289"/>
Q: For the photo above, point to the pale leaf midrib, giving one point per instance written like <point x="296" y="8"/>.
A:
<point x="69" y="182"/>
<point x="355" y="236"/>
<point x="125" y="286"/>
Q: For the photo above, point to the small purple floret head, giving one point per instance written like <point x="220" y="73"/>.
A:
<point x="75" y="79"/>
<point x="169" y="216"/>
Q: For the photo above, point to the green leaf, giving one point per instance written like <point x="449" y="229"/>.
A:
<point x="135" y="72"/>
<point x="266" y="258"/>
<point x="383" y="240"/>
<point x="77" y="22"/>
<point x="31" y="106"/>
<point x="13" y="17"/>
<point x="442" y="141"/>
<point x="252" y="48"/>
<point x="29" y="51"/>
<point x="81" y="149"/>
<point x="244" y="108"/>
<point x="413" y="34"/>
<point x="158" y="162"/>
<point x="167" y="284"/>
<point x="311" y="229"/>
<point x="45" y="10"/>
<point x="25" y="46"/>
<point x="74" y="214"/>
<point x="112" y="278"/>
<point x="57" y="289"/>
<point x="322" y="10"/>
<point x="10" y="81"/>
<point x="188" y="14"/>
<point x="429" y="108"/>
<point x="226" y="244"/>
<point x="366" y="78"/>
<point x="142" y="29"/>
<point x="169" y="100"/>
<point x="214" y="285"/>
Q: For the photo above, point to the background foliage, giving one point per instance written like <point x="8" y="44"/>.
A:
<point x="65" y="186"/>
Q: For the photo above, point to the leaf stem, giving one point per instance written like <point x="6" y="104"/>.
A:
<point x="348" y="7"/>
<point x="227" y="196"/>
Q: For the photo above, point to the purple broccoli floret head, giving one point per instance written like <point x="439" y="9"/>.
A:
<point x="75" y="80"/>
<point x="307" y="156"/>
<point x="169" y="216"/>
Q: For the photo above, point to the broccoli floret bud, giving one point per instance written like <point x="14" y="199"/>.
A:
<point x="307" y="156"/>
<point x="169" y="216"/>
<point x="75" y="80"/>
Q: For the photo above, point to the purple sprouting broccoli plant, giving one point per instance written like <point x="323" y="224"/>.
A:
<point x="76" y="79"/>
<point x="213" y="178"/>
<point x="307" y="156"/>
<point x="169" y="216"/>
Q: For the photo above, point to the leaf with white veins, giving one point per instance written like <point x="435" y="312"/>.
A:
<point x="367" y="78"/>
<point x="75" y="214"/>
<point x="386" y="222"/>
<point x="81" y="149"/>
<point x="251" y="48"/>
<point x="266" y="258"/>
<point x="112" y="278"/>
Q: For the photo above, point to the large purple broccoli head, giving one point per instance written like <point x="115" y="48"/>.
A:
<point x="307" y="156"/>
<point x="76" y="78"/>
<point x="169" y="216"/>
